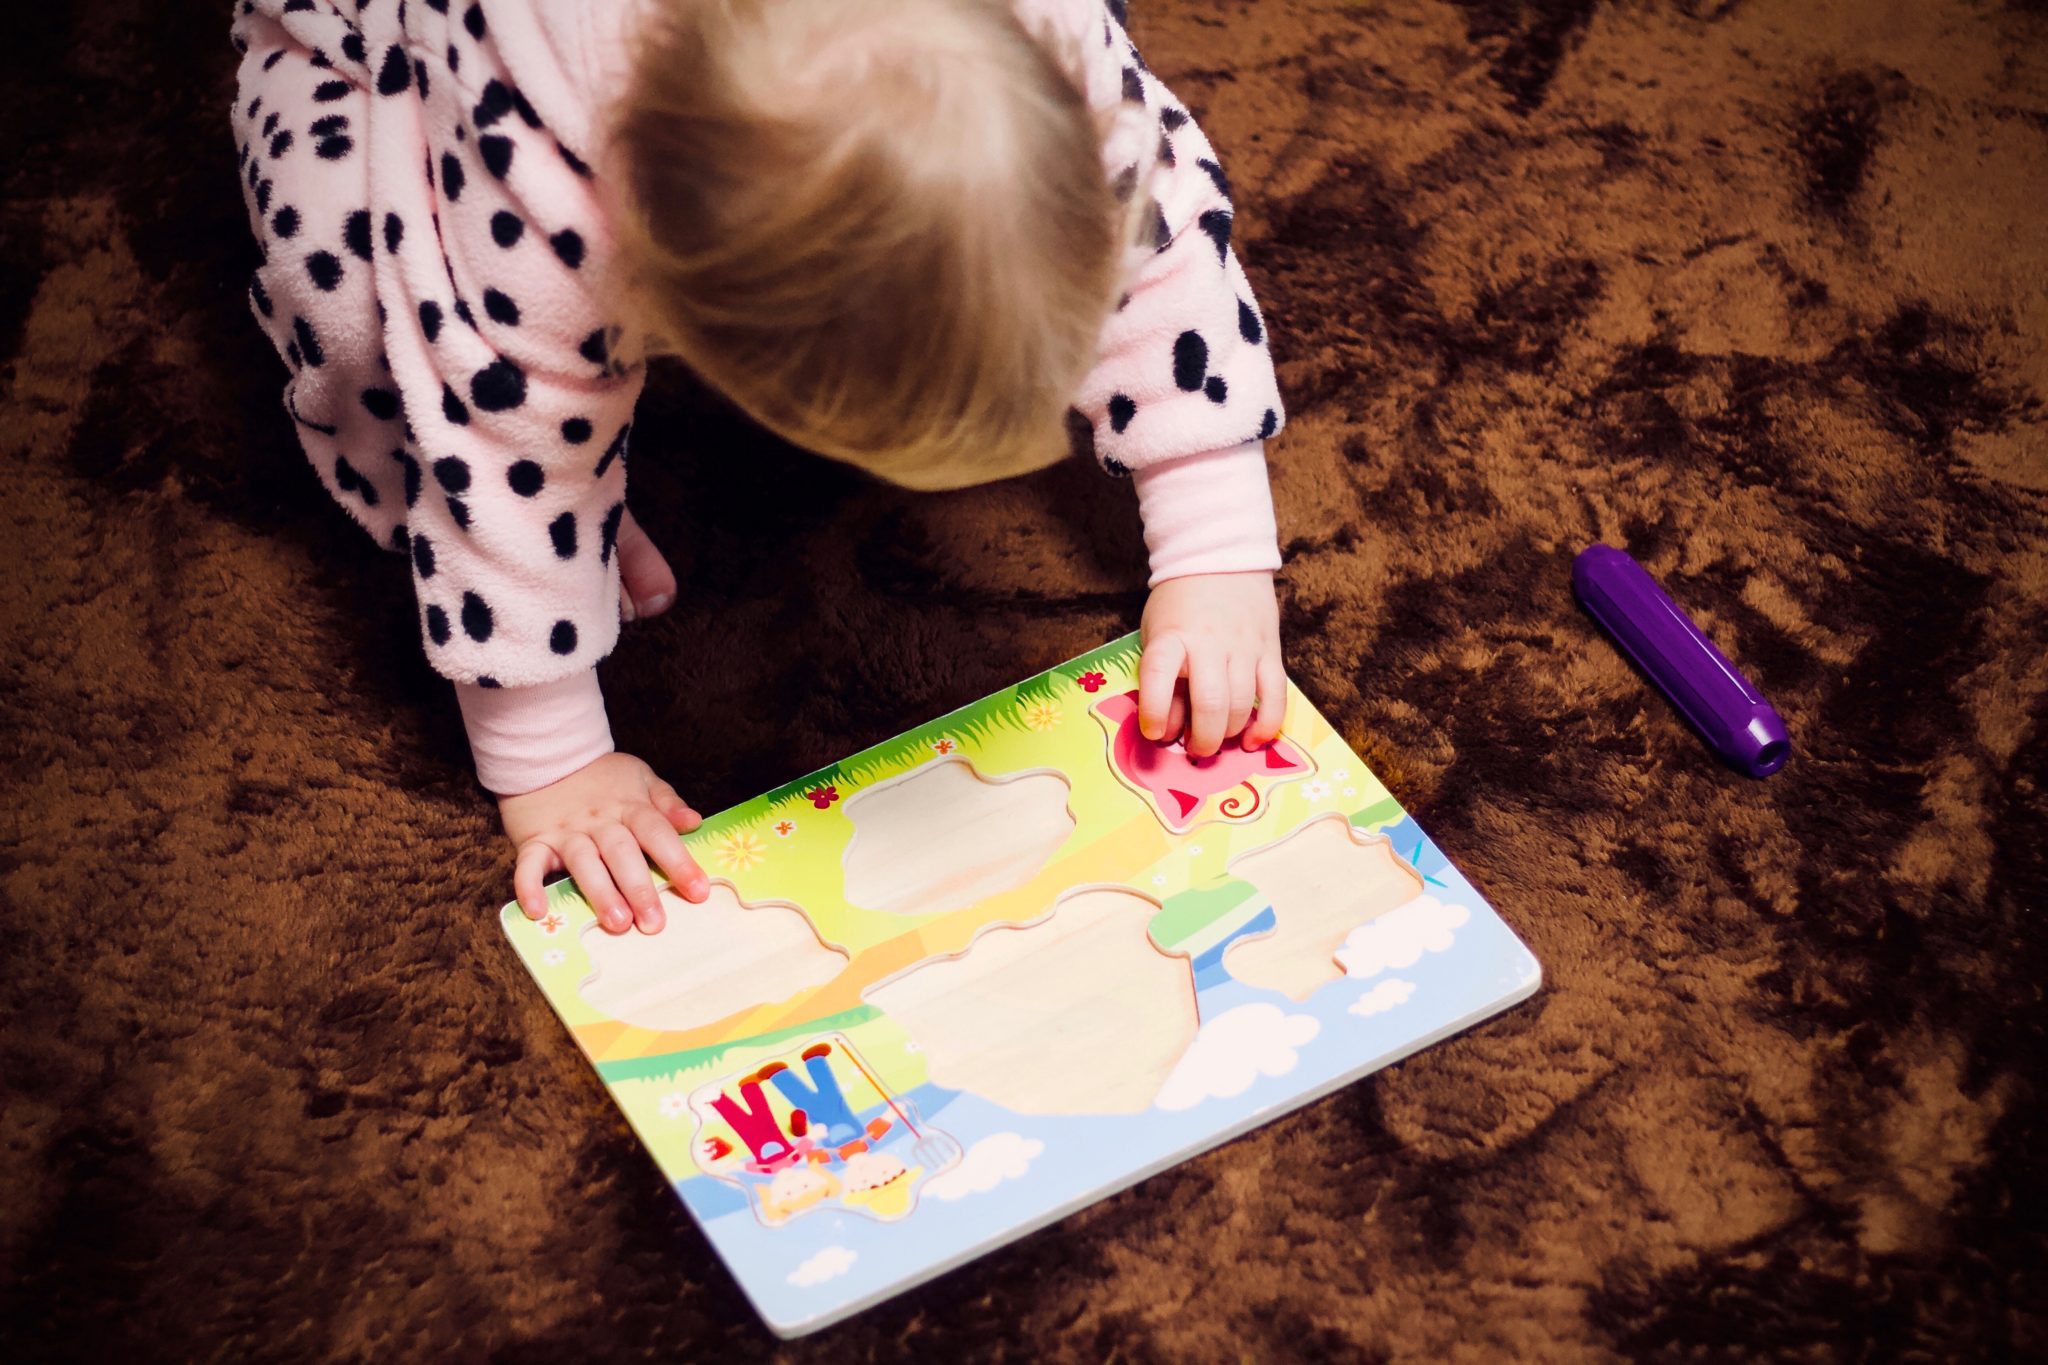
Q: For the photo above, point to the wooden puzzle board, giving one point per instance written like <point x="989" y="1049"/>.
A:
<point x="967" y="981"/>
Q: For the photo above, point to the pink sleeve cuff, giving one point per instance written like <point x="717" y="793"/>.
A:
<point x="523" y="738"/>
<point x="1209" y="513"/>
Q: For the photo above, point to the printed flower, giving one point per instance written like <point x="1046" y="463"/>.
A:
<point x="1351" y="791"/>
<point x="784" y="827"/>
<point x="1041" y="716"/>
<point x="1091" y="682"/>
<point x="1194" y="850"/>
<point x="674" y="1105"/>
<point x="554" y="957"/>
<point x="551" y="923"/>
<point x="1341" y="774"/>
<point x="822" y="797"/>
<point x="1158" y="879"/>
<point x="943" y="746"/>
<point x="1316" y="790"/>
<point x="741" y="849"/>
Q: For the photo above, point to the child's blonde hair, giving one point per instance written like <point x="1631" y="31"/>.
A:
<point x="882" y="227"/>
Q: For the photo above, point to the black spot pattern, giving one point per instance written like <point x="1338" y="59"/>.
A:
<point x="458" y="511"/>
<point x="613" y="451"/>
<point x="562" y="533"/>
<point x="453" y="408"/>
<point x="308" y="343"/>
<point x="452" y="473"/>
<point x="608" y="534"/>
<point x="562" y="639"/>
<point x="497" y="154"/>
<point x="411" y="469"/>
<point x="576" y="430"/>
<point x="334" y="148"/>
<point x="507" y="228"/>
<point x="476" y="618"/>
<point x="500" y="308"/>
<point x="327" y="92"/>
<point x="498" y="387"/>
<point x="593" y="347"/>
<point x="1248" y="323"/>
<point x="381" y="404"/>
<point x="1216" y="223"/>
<point x="525" y="478"/>
<point x="1134" y="86"/>
<point x="451" y="176"/>
<point x="473" y="20"/>
<point x="285" y="222"/>
<point x="348" y="480"/>
<point x="394" y="232"/>
<point x="324" y="269"/>
<point x="1190" y="360"/>
<point x="1172" y="119"/>
<point x="1269" y="424"/>
<point x="1216" y="174"/>
<point x="395" y="76"/>
<point x="423" y="556"/>
<point x="430" y="318"/>
<point x="280" y="144"/>
<point x="261" y="296"/>
<point x="356" y="233"/>
<point x="437" y="625"/>
<point x="1215" y="388"/>
<point x="568" y="245"/>
<point x="1121" y="411"/>
<point x="495" y="103"/>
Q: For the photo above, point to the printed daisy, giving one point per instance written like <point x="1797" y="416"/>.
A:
<point x="1316" y="790"/>
<point x="1195" y="851"/>
<point x="1041" y="716"/>
<point x="784" y="827"/>
<point x="551" y="923"/>
<point x="674" y="1105"/>
<point x="1351" y="791"/>
<point x="943" y="746"/>
<point x="1341" y="774"/>
<point x="741" y="850"/>
<point x="554" y="957"/>
<point x="1158" y="879"/>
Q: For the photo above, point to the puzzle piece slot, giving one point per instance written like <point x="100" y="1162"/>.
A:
<point x="944" y="836"/>
<point x="710" y="962"/>
<point x="1323" y="880"/>
<point x="1076" y="1013"/>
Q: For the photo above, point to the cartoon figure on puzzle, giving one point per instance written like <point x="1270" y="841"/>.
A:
<point x="800" y="1140"/>
<point x="1178" y="785"/>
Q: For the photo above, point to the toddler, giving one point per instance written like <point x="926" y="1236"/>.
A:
<point x="943" y="240"/>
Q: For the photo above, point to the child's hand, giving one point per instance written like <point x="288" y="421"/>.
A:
<point x="1221" y="631"/>
<point x="602" y="823"/>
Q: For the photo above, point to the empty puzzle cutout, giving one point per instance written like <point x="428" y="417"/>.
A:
<point x="1322" y="881"/>
<point x="943" y="836"/>
<point x="709" y="962"/>
<point x="1079" y="1012"/>
<point x="1178" y="786"/>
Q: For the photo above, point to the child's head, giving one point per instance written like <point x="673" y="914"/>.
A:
<point x="880" y="226"/>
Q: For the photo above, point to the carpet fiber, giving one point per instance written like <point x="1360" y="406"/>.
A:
<point x="1756" y="288"/>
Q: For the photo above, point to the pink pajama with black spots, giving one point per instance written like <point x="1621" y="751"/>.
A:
<point x="426" y="179"/>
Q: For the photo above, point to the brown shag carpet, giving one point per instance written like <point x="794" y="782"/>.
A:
<point x="1758" y="288"/>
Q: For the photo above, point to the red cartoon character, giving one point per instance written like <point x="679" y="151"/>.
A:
<point x="1176" y="783"/>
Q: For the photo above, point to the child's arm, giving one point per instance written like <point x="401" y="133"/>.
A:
<point x="1183" y="399"/>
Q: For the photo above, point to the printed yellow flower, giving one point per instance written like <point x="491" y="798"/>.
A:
<point x="741" y="849"/>
<point x="1041" y="716"/>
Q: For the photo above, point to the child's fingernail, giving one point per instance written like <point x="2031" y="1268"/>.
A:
<point x="627" y="612"/>
<point x="658" y="602"/>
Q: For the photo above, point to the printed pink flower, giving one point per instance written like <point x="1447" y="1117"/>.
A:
<point x="784" y="828"/>
<point x="1091" y="682"/>
<point x="943" y="746"/>
<point x="551" y="924"/>
<point x="823" y="797"/>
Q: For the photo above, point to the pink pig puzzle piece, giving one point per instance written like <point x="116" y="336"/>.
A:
<point x="1176" y="783"/>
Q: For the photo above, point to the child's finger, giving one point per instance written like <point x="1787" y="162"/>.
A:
<point x="1265" y="728"/>
<point x="529" y="877"/>
<point x="586" y="864"/>
<point x="1243" y="687"/>
<point x="1158" y="671"/>
<point x="662" y="845"/>
<point x="1176" y="715"/>
<point x="673" y="808"/>
<point x="1208" y="702"/>
<point x="628" y="864"/>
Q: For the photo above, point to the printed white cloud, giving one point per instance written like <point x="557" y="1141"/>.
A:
<point x="1400" y="937"/>
<point x="828" y="1264"/>
<point x="1383" y="997"/>
<point x="1233" y="1050"/>
<point x="988" y="1163"/>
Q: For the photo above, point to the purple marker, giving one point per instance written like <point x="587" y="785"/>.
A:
<point x="1699" y="680"/>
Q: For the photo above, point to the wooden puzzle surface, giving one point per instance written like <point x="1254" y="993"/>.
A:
<point x="971" y="979"/>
